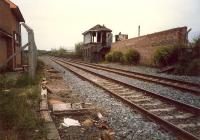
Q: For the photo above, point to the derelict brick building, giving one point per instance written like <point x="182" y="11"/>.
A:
<point x="97" y="42"/>
<point x="10" y="33"/>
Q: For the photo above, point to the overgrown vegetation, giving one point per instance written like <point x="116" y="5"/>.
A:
<point x="186" y="59"/>
<point x="131" y="56"/>
<point x="79" y="50"/>
<point x="108" y="57"/>
<point x="19" y="104"/>
<point x="116" y="56"/>
<point x="165" y="56"/>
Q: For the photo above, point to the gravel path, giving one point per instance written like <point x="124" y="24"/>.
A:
<point x="127" y="123"/>
<point x="153" y="71"/>
<point x="172" y="93"/>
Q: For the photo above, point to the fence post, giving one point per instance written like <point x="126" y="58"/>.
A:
<point x="32" y="52"/>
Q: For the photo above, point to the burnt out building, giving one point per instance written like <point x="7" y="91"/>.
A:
<point x="10" y="33"/>
<point x="97" y="42"/>
<point x="121" y="37"/>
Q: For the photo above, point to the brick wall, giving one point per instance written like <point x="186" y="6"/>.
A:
<point x="146" y="45"/>
<point x="9" y="24"/>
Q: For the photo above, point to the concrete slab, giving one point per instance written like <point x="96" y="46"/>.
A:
<point x="61" y="107"/>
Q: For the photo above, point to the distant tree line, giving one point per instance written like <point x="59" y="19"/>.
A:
<point x="62" y="52"/>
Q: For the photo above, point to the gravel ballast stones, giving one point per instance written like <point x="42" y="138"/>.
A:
<point x="126" y="123"/>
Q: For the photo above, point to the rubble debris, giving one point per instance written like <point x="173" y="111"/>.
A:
<point x="88" y="122"/>
<point x="107" y="135"/>
<point x="70" y="122"/>
<point x="43" y="93"/>
<point x="44" y="82"/>
<point x="166" y="69"/>
<point x="77" y="106"/>
<point x="45" y="115"/>
<point x="74" y="118"/>
<point x="54" y="101"/>
<point x="61" y="107"/>
<point x="100" y="116"/>
<point x="53" y="76"/>
<point x="51" y="71"/>
<point x="75" y="111"/>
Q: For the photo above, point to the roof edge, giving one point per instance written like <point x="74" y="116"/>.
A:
<point x="15" y="10"/>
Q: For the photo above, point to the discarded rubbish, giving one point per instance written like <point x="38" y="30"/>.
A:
<point x="88" y="122"/>
<point x="70" y="122"/>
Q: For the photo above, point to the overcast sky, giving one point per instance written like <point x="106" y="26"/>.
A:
<point x="61" y="22"/>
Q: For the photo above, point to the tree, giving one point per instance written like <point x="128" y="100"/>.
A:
<point x="79" y="49"/>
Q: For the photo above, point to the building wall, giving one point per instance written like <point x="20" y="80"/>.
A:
<point x="87" y="38"/>
<point x="147" y="45"/>
<point x="18" y="57"/>
<point x="3" y="49"/>
<point x="9" y="24"/>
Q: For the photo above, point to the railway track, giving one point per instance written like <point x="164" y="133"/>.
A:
<point x="182" y="85"/>
<point x="180" y="118"/>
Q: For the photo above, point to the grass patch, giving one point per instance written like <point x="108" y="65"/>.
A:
<point x="19" y="102"/>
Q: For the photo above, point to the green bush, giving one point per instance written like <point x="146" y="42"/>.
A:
<point x="116" y="56"/>
<point x="166" y="56"/>
<point x="122" y="59"/>
<point x="132" y="56"/>
<point x="108" y="57"/>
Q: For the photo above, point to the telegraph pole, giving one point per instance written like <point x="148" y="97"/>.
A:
<point x="138" y="30"/>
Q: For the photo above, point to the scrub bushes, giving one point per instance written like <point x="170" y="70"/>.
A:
<point x="192" y="68"/>
<point x="116" y="56"/>
<point x="131" y="56"/>
<point x="108" y="57"/>
<point x="166" y="56"/>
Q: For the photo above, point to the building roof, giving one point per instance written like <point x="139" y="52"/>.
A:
<point x="16" y="11"/>
<point x="98" y="28"/>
